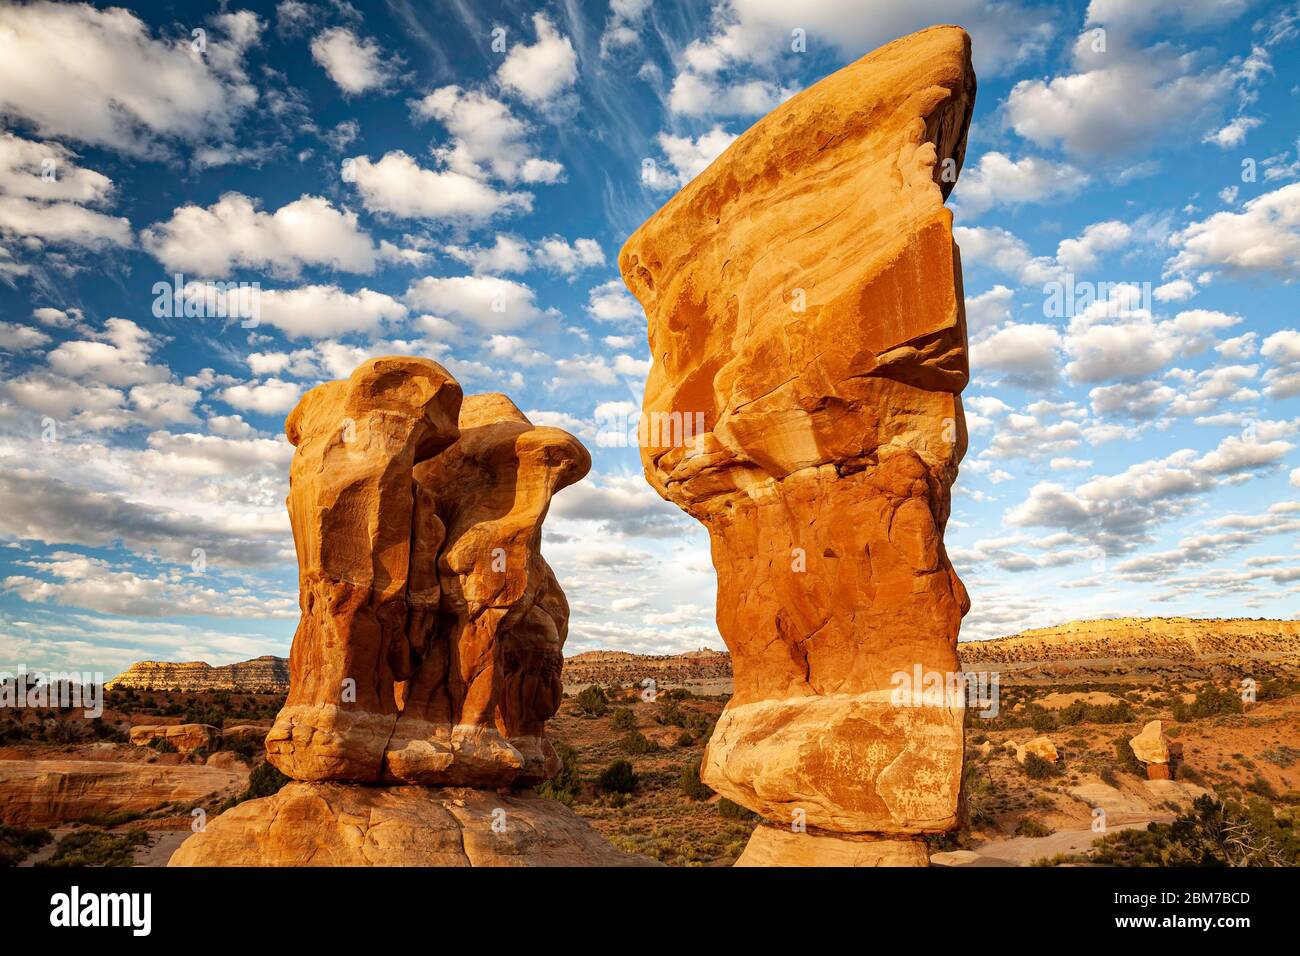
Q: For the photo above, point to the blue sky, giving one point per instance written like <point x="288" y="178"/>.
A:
<point x="455" y="180"/>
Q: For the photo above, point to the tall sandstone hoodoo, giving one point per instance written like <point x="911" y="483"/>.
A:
<point x="429" y="649"/>
<point x="804" y="294"/>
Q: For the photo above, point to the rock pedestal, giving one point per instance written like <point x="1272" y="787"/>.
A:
<point x="429" y="649"/>
<point x="1151" y="747"/>
<point x="805" y="304"/>
<point x="333" y="824"/>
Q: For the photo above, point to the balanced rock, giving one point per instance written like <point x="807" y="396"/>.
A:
<point x="1151" y="746"/>
<point x="185" y="738"/>
<point x="1039" y="747"/>
<point x="332" y="824"/>
<point x="805" y="308"/>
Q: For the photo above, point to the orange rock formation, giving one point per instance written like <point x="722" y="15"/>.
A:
<point x="429" y="649"/>
<point x="430" y="645"/>
<point x="804" y="294"/>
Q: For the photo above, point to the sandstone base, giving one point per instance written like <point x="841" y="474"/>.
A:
<point x="333" y="824"/>
<point x="850" y="763"/>
<point x="770" y="846"/>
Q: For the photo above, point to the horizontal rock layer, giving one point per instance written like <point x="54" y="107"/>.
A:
<point x="262" y="675"/>
<point x="49" y="792"/>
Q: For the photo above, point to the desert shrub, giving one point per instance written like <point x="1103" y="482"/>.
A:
<point x="623" y="718"/>
<point x="163" y="745"/>
<point x="1040" y="719"/>
<point x="96" y="848"/>
<point x="264" y="781"/>
<point x="1118" y="713"/>
<point x="684" y="739"/>
<point x="730" y="810"/>
<point x="108" y="820"/>
<point x="567" y="782"/>
<point x="692" y="786"/>
<point x="1262" y="787"/>
<point x="1036" y="768"/>
<point x="636" y="743"/>
<point x="671" y="714"/>
<point x="1032" y="828"/>
<point x="1210" y="701"/>
<point x="1276" y="687"/>
<point x="1108" y="777"/>
<point x="593" y="702"/>
<point x="1212" y="833"/>
<point x="1074" y="714"/>
<point x="699" y="724"/>
<point x="1126" y="759"/>
<point x="246" y="750"/>
<point x="16" y="843"/>
<point x="618" y="777"/>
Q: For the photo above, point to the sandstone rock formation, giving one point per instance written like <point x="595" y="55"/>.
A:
<point x="360" y="535"/>
<point x="477" y="703"/>
<point x="329" y="824"/>
<point x="262" y="675"/>
<point x="1039" y="747"/>
<point x="48" y="792"/>
<point x="804" y="297"/>
<point x="418" y="523"/>
<point x="1151" y="747"/>
<point x="244" y="733"/>
<point x="429" y="650"/>
<point x="186" y="738"/>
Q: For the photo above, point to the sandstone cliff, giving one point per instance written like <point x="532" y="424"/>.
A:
<point x="262" y="675"/>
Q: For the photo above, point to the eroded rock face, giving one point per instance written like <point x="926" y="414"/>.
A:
<point x="477" y="705"/>
<point x="418" y="517"/>
<point x="185" y="738"/>
<point x="330" y="824"/>
<point x="49" y="792"/>
<point x="352" y="504"/>
<point x="804" y="297"/>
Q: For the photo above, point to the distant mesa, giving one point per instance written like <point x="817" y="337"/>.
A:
<point x="261" y="675"/>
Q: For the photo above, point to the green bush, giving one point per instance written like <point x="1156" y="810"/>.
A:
<point x="623" y="718"/>
<point x="618" y="777"/>
<point x="684" y="739"/>
<point x="636" y="743"/>
<point x="16" y="843"/>
<point x="692" y="786"/>
<point x="593" y="702"/>
<point x="96" y="848"/>
<point x="1031" y="828"/>
<point x="1210" y="701"/>
<point x="1126" y="759"/>
<point x="1212" y="833"/>
<point x="264" y="781"/>
<point x="567" y="782"/>
<point x="163" y="745"/>
<point x="730" y="810"/>
<point x="1037" y="768"/>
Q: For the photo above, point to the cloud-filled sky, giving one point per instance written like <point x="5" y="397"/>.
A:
<point x="454" y="180"/>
